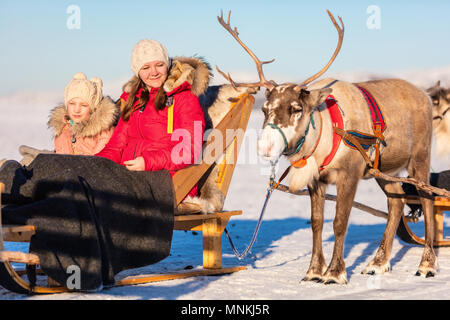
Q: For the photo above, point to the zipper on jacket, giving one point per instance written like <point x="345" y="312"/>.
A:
<point x="134" y="153"/>
<point x="139" y="124"/>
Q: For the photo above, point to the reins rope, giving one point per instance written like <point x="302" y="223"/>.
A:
<point x="270" y="189"/>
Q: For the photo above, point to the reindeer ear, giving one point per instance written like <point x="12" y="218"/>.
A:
<point x="305" y="92"/>
<point x="434" y="90"/>
<point x="316" y="97"/>
<point x="301" y="89"/>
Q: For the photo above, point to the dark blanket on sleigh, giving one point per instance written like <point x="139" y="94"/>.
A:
<point x="91" y="215"/>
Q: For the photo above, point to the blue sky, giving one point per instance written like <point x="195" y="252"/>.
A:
<point x="39" y="52"/>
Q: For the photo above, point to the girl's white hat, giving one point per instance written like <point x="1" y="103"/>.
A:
<point x="88" y="90"/>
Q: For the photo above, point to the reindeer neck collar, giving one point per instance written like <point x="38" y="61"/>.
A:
<point x="299" y="144"/>
<point x="440" y="117"/>
<point x="302" y="161"/>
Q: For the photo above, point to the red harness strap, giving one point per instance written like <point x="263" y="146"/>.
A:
<point x="336" y="121"/>
<point x="375" y="110"/>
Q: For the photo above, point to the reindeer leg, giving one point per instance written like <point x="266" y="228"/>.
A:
<point x="317" y="265"/>
<point x="380" y="263"/>
<point x="427" y="265"/>
<point x="419" y="168"/>
<point x="347" y="183"/>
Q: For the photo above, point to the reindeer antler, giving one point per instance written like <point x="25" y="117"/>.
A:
<point x="262" y="80"/>
<point x="340" y="31"/>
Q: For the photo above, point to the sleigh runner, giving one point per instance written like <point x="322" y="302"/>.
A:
<point x="218" y="168"/>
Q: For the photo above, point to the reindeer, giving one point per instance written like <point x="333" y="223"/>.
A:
<point x="441" y="117"/>
<point x="296" y="113"/>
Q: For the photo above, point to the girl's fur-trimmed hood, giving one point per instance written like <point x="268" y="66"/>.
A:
<point x="104" y="117"/>
<point x="195" y="70"/>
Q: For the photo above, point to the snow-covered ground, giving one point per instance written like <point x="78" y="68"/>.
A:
<point x="282" y="252"/>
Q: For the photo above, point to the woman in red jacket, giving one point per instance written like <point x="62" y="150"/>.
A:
<point x="162" y="122"/>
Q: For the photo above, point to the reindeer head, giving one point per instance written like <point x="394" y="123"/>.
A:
<point x="441" y="117"/>
<point x="288" y="107"/>
<point x="287" y="119"/>
<point x="441" y="103"/>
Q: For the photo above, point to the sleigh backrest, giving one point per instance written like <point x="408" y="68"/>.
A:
<point x="235" y="119"/>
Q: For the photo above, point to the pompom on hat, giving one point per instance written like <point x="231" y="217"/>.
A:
<point x="148" y="50"/>
<point x="88" y="90"/>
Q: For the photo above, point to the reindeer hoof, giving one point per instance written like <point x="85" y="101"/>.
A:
<point x="331" y="281"/>
<point x="373" y="269"/>
<point x="339" y="279"/>
<point x="335" y="281"/>
<point x="314" y="278"/>
<point x="427" y="274"/>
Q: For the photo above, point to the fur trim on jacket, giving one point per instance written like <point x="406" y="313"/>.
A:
<point x="104" y="117"/>
<point x="196" y="71"/>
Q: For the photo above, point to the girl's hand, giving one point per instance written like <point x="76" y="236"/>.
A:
<point x="137" y="164"/>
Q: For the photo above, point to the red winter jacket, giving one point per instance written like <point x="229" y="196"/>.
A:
<point x="146" y="134"/>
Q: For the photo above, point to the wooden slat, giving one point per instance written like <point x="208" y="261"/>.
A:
<point x="212" y="244"/>
<point x="181" y="275"/>
<point x="195" y="222"/>
<point x="208" y="216"/>
<point x="18" y="233"/>
<point x="442" y="202"/>
<point x="437" y="201"/>
<point x="19" y="257"/>
<point x="438" y="225"/>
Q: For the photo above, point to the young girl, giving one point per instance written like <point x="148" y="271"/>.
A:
<point x="85" y="122"/>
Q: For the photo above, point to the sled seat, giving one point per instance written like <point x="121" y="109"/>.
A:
<point x="440" y="204"/>
<point x="211" y="225"/>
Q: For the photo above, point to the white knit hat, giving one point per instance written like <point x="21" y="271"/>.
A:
<point x="147" y="51"/>
<point x="88" y="90"/>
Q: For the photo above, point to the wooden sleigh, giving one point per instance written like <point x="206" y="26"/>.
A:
<point x="211" y="225"/>
<point x="405" y="233"/>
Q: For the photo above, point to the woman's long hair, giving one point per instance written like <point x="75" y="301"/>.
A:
<point x="132" y="87"/>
